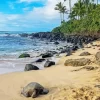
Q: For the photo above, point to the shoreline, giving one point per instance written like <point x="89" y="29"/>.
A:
<point x="61" y="80"/>
<point x="11" y="63"/>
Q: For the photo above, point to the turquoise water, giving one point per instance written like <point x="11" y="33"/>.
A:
<point x="12" y="43"/>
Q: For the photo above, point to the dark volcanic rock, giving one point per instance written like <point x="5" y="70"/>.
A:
<point x="24" y="55"/>
<point x="75" y="47"/>
<point x="33" y="90"/>
<point x="48" y="36"/>
<point x="24" y="35"/>
<point x="85" y="54"/>
<point x="52" y="52"/>
<point x="46" y="55"/>
<point x="63" y="51"/>
<point x="75" y="39"/>
<point x="40" y="60"/>
<point x="77" y="62"/>
<point x="49" y="63"/>
<point x="69" y="53"/>
<point x="29" y="67"/>
<point x="56" y="43"/>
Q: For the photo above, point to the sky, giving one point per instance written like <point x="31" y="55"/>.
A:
<point x="29" y="15"/>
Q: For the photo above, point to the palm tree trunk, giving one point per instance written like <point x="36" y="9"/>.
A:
<point x="61" y="16"/>
<point x="97" y="2"/>
<point x="70" y="5"/>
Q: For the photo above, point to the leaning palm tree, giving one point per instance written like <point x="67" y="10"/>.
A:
<point x="59" y="7"/>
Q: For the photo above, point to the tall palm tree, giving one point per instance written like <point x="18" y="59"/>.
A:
<point x="78" y="10"/>
<point x="59" y="7"/>
<point x="63" y="11"/>
<point x="97" y="2"/>
<point x="70" y="5"/>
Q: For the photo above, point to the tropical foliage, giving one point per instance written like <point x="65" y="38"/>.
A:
<point x="62" y="9"/>
<point x="84" y="18"/>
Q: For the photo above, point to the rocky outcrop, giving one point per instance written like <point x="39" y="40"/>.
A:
<point x="29" y="67"/>
<point x="56" y="43"/>
<point x="33" y="90"/>
<point x="49" y="63"/>
<point x="46" y="55"/>
<point x="85" y="54"/>
<point x="77" y="62"/>
<point x="48" y="35"/>
<point x="24" y="35"/>
<point x="75" y="39"/>
<point x="24" y="55"/>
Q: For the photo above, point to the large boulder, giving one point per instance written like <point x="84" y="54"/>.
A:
<point x="24" y="55"/>
<point x="77" y="62"/>
<point x="33" y="90"/>
<point x="49" y="63"/>
<point x="46" y="55"/>
<point x="97" y="56"/>
<point x="85" y="54"/>
<point x="29" y="67"/>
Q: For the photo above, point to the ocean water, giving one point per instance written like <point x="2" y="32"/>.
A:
<point x="11" y="43"/>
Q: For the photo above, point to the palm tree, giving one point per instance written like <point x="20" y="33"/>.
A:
<point x="59" y="7"/>
<point x="87" y="3"/>
<point x="63" y="11"/>
<point x="70" y="5"/>
<point x="78" y="10"/>
<point x="97" y="2"/>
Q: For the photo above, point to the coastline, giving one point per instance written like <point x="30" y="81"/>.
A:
<point x="64" y="82"/>
<point x="10" y="62"/>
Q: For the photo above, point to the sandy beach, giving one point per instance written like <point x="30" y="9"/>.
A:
<point x="63" y="82"/>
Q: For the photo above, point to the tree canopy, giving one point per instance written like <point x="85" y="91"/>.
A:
<point x="84" y="18"/>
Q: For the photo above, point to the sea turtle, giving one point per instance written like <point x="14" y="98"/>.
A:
<point x="33" y="90"/>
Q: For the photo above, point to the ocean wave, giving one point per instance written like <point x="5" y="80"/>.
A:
<point x="10" y="35"/>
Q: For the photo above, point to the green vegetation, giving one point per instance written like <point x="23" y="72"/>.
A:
<point x="61" y="9"/>
<point x="84" y="18"/>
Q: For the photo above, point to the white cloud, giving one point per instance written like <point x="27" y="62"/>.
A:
<point x="26" y="9"/>
<point x="48" y="10"/>
<point x="38" y="18"/>
<point x="29" y="1"/>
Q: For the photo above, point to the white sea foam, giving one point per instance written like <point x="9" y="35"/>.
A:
<point x="7" y="34"/>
